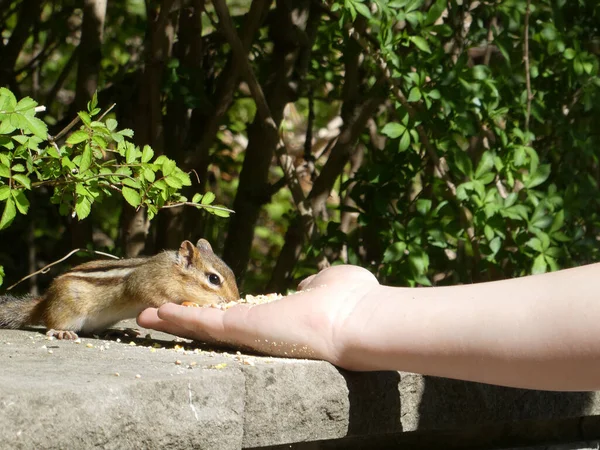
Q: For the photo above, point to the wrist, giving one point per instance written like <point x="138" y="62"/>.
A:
<point x="355" y="340"/>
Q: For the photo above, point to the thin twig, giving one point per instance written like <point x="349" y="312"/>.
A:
<point x="45" y="269"/>
<point x="197" y="205"/>
<point x="107" y="111"/>
<point x="527" y="74"/>
<point x="490" y="39"/>
<point x="195" y="173"/>
<point x="83" y="180"/>
<point x="64" y="131"/>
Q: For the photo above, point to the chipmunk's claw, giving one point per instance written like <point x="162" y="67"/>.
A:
<point x="62" y="334"/>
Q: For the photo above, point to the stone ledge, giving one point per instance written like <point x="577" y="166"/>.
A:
<point x="59" y="394"/>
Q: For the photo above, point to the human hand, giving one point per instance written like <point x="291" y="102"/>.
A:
<point x="308" y="324"/>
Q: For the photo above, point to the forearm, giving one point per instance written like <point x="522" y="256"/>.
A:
<point x="537" y="332"/>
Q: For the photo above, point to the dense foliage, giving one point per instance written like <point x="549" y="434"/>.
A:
<point x="434" y="142"/>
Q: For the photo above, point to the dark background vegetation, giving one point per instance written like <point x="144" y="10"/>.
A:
<point x="433" y="142"/>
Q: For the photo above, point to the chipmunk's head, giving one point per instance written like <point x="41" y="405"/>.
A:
<point x="206" y="279"/>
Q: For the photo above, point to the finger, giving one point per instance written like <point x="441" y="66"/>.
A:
<point x="206" y="321"/>
<point x="304" y="283"/>
<point x="209" y="324"/>
<point x="181" y="321"/>
<point x="149" y="319"/>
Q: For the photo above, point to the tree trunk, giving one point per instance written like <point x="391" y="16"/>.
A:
<point x="147" y="117"/>
<point x="290" y="22"/>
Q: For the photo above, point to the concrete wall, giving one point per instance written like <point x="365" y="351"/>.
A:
<point x="153" y="394"/>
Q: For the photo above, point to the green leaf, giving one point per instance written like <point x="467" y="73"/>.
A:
<point x="4" y="192"/>
<point x="25" y="104"/>
<point x="8" y="101"/>
<point x="535" y="244"/>
<point x="197" y="197"/>
<point x="126" y="132"/>
<point x="487" y="178"/>
<point x="174" y="182"/>
<point x="4" y="171"/>
<point x="36" y="126"/>
<point x="131" y="196"/>
<point x="130" y="154"/>
<point x="495" y="245"/>
<point x="77" y="137"/>
<point x="435" y="12"/>
<point x="420" y="43"/>
<point x="488" y="232"/>
<point x="132" y="182"/>
<point x="111" y="124"/>
<point x="168" y="167"/>
<point x="463" y="162"/>
<point x="83" y="207"/>
<point x="414" y="95"/>
<point x="423" y="206"/>
<point x="362" y="10"/>
<point x="6" y="127"/>
<point x="557" y="221"/>
<point x="149" y="175"/>
<point x="21" y="201"/>
<point x="394" y="252"/>
<point x="99" y="141"/>
<point x="404" y="142"/>
<point x="23" y="179"/>
<point x="539" y="265"/>
<point x="183" y="177"/>
<point x="208" y="198"/>
<point x="85" y="118"/>
<point x="93" y="102"/>
<point x="147" y="154"/>
<point x="569" y="54"/>
<point x="9" y="214"/>
<point x="393" y="130"/>
<point x="80" y="189"/>
<point x="218" y="212"/>
<point x="86" y="159"/>
<point x="419" y="262"/>
<point x="434" y="94"/>
<point x="485" y="164"/>
<point x="538" y="177"/>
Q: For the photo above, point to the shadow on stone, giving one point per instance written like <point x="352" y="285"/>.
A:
<point x="374" y="403"/>
<point x="450" y="403"/>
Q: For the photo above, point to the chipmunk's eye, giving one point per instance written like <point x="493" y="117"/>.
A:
<point x="214" y="279"/>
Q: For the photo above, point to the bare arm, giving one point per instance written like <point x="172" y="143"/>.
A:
<point x="535" y="332"/>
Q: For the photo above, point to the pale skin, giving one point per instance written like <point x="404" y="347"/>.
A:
<point x="539" y="332"/>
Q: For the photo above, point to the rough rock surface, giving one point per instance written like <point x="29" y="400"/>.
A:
<point x="160" y="393"/>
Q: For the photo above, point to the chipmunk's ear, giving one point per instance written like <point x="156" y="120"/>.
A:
<point x="186" y="253"/>
<point x="204" y="245"/>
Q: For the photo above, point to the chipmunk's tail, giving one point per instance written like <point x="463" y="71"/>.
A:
<point x="16" y="312"/>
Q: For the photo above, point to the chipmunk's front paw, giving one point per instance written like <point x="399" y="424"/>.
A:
<point x="62" y="334"/>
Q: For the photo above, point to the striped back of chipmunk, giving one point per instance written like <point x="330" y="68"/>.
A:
<point x="105" y="272"/>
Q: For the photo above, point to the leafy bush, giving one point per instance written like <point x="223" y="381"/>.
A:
<point x="96" y="161"/>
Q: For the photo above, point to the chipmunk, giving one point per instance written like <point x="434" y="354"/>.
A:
<point x="95" y="295"/>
